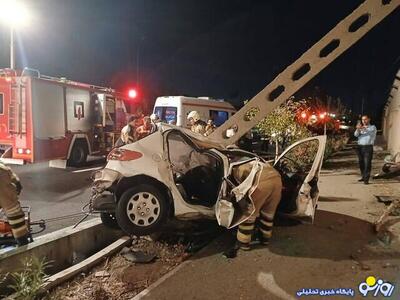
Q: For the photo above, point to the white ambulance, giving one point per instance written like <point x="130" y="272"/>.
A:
<point x="174" y="109"/>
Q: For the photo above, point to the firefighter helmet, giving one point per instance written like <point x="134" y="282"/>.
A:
<point x="194" y="115"/>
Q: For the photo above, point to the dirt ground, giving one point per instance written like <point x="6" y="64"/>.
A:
<point x="123" y="279"/>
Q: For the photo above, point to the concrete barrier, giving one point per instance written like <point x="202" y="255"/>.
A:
<point x="62" y="248"/>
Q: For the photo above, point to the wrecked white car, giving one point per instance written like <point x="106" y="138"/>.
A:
<point x="174" y="173"/>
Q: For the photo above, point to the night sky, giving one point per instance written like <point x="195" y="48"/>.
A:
<point x="223" y="48"/>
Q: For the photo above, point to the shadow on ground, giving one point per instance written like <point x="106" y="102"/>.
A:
<point x="333" y="237"/>
<point x="340" y="165"/>
<point x="336" y="199"/>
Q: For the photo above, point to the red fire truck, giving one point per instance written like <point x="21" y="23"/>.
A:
<point x="46" y="118"/>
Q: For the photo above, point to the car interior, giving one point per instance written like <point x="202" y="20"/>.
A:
<point x="197" y="172"/>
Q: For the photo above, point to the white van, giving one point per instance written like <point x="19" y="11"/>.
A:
<point x="171" y="109"/>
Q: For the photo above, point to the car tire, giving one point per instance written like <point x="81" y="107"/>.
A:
<point x="142" y="210"/>
<point x="109" y="220"/>
<point x="78" y="155"/>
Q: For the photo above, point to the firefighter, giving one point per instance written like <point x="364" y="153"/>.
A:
<point x="266" y="197"/>
<point x="197" y="125"/>
<point x="145" y="129"/>
<point x="209" y="128"/>
<point x="155" y="122"/>
<point x="128" y="133"/>
<point x="10" y="188"/>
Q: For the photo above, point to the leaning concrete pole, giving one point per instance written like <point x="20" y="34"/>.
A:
<point x="318" y="57"/>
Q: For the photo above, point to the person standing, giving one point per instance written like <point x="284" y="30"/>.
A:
<point x="196" y="123"/>
<point x="10" y="187"/>
<point x="366" y="134"/>
<point x="128" y="132"/>
<point x="155" y="122"/>
<point x="210" y="127"/>
<point x="145" y="129"/>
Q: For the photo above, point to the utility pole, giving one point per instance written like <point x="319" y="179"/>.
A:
<point x="362" y="106"/>
<point x="137" y="63"/>
<point x="12" y="49"/>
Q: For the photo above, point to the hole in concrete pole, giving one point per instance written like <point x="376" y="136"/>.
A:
<point x="329" y="48"/>
<point x="303" y="70"/>
<point x="386" y="2"/>
<point x="359" y="22"/>
<point x="276" y="92"/>
<point x="230" y="132"/>
<point x="251" y="114"/>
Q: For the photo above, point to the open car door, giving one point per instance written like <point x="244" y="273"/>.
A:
<point x="300" y="165"/>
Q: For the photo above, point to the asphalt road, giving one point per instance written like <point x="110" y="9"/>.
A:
<point x="53" y="193"/>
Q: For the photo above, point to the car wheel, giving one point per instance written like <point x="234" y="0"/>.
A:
<point x="109" y="220"/>
<point x="78" y="155"/>
<point x="142" y="210"/>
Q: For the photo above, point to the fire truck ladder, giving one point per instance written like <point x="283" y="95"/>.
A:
<point x="17" y="109"/>
<point x="332" y="45"/>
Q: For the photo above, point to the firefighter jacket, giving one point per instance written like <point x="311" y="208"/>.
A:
<point x="128" y="134"/>
<point x="199" y="127"/>
<point x="10" y="187"/>
<point x="237" y="204"/>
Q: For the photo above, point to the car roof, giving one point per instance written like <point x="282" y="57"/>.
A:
<point x="198" y="139"/>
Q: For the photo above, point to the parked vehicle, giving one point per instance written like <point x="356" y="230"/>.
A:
<point x="176" y="173"/>
<point x="44" y="118"/>
<point x="174" y="109"/>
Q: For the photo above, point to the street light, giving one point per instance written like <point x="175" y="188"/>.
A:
<point x="14" y="14"/>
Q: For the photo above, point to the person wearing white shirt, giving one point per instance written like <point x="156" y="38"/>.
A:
<point x="366" y="134"/>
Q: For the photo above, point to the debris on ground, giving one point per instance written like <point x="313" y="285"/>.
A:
<point x="387" y="200"/>
<point x="102" y="274"/>
<point x="137" y="256"/>
<point x="392" y="209"/>
<point x="120" y="278"/>
<point x="134" y="268"/>
<point x="385" y="237"/>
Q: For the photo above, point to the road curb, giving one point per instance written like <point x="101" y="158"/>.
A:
<point x="63" y="248"/>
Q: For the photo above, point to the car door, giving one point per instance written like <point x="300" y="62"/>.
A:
<point x="300" y="165"/>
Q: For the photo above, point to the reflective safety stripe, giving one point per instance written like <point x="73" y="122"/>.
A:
<point x="266" y="223"/>
<point x="246" y="231"/>
<point x="17" y="225"/>
<point x="20" y="232"/>
<point x="243" y="238"/>
<point x="16" y="217"/>
<point x="14" y="211"/>
<point x="21" y="218"/>
<point x="247" y="226"/>
<point x="264" y="227"/>
<point x="266" y="233"/>
<point x="267" y="217"/>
